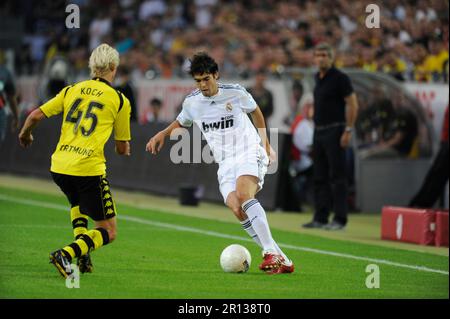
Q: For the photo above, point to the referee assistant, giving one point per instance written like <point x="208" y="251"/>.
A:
<point x="332" y="135"/>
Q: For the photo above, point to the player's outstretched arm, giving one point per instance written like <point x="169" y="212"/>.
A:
<point x="155" y="144"/>
<point x="25" y="137"/>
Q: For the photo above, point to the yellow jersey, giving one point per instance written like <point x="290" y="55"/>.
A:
<point x="91" y="110"/>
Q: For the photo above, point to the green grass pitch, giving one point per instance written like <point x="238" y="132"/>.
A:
<point x="162" y="255"/>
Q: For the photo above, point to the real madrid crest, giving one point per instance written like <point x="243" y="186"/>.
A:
<point x="229" y="107"/>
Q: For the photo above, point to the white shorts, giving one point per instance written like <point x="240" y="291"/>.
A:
<point x="247" y="164"/>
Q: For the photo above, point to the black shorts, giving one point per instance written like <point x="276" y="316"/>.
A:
<point x="91" y="193"/>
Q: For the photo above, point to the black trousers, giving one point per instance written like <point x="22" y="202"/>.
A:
<point x="435" y="181"/>
<point x="330" y="177"/>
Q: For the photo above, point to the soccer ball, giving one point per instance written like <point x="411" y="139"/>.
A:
<point x="235" y="258"/>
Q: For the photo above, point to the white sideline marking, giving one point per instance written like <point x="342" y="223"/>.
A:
<point x="222" y="235"/>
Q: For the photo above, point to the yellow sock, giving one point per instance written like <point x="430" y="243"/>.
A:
<point x="87" y="242"/>
<point x="79" y="222"/>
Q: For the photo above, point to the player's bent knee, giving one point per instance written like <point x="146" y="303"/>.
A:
<point x="112" y="233"/>
<point x="112" y="237"/>
<point x="237" y="211"/>
<point x="110" y="227"/>
<point x="243" y="196"/>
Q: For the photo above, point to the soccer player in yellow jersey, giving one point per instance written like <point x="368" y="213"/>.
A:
<point x="91" y="110"/>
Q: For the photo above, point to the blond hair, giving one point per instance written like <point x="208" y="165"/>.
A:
<point x="103" y="60"/>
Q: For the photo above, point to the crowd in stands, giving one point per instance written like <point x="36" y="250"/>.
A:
<point x="156" y="37"/>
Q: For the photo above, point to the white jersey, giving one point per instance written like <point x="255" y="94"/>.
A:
<point x="223" y="120"/>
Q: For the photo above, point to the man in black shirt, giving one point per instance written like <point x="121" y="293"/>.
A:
<point x="262" y="96"/>
<point x="335" y="107"/>
<point x="127" y="89"/>
<point x="407" y="129"/>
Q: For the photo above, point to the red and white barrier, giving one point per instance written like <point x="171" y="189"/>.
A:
<point x="411" y="225"/>
<point x="441" y="228"/>
<point x="408" y="225"/>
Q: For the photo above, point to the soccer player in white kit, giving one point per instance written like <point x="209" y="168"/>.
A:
<point x="220" y="111"/>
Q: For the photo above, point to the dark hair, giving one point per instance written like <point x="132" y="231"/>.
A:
<point x="156" y="102"/>
<point x="202" y="63"/>
<point x="323" y="46"/>
<point x="125" y="70"/>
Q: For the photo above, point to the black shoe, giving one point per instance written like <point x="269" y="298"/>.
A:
<point x="61" y="262"/>
<point x="334" y="226"/>
<point x="314" y="224"/>
<point x="84" y="264"/>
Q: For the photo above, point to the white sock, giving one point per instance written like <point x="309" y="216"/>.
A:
<point x="287" y="260"/>
<point x="247" y="225"/>
<point x="258" y="220"/>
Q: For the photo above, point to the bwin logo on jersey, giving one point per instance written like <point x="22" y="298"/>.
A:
<point x="225" y="122"/>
